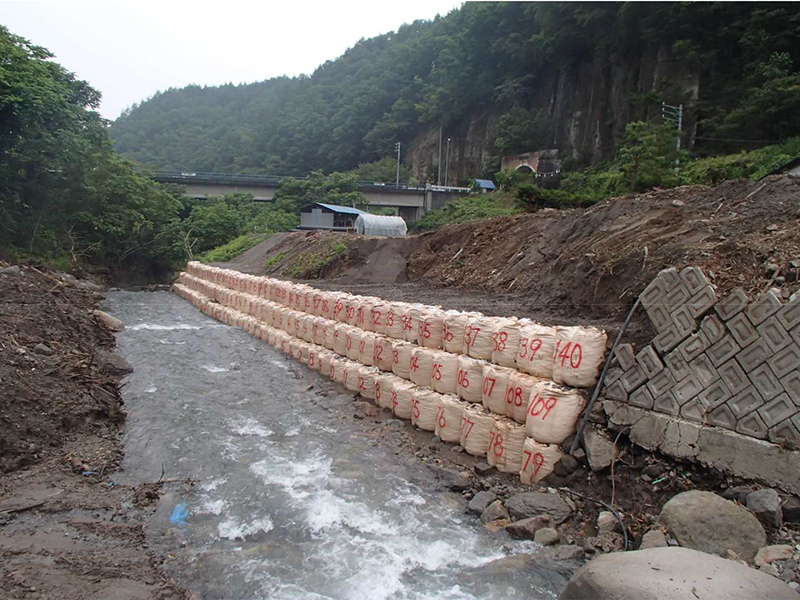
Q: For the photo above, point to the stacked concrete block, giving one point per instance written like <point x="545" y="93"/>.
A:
<point x="730" y="362"/>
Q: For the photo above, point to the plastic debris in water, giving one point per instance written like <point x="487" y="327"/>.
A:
<point x="180" y="514"/>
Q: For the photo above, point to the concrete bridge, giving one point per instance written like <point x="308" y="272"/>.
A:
<point x="411" y="202"/>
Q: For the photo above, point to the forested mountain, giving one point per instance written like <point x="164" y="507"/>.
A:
<point x="497" y="78"/>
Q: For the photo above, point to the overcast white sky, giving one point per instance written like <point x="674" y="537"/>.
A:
<point x="130" y="50"/>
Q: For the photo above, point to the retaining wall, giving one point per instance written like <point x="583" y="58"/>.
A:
<point x="720" y="382"/>
<point x="507" y="389"/>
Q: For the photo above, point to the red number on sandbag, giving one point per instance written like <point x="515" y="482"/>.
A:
<point x="488" y="382"/>
<point x="466" y="426"/>
<point x="436" y="373"/>
<point x="498" y="443"/>
<point x="311" y="359"/>
<point x="395" y="357"/>
<point x="324" y="306"/>
<point x="499" y="339"/>
<point x="350" y="312"/>
<point x="308" y="302"/>
<point x="569" y="352"/>
<point x="344" y="379"/>
<point x="333" y="372"/>
<point x="394" y="401"/>
<point x="377" y="390"/>
<point x="408" y="323"/>
<point x="425" y="330"/>
<point x="514" y="396"/>
<point x="471" y="334"/>
<point x="316" y="303"/>
<point x="377" y="354"/>
<point x="415" y="408"/>
<point x="376" y="317"/>
<point x="414" y="363"/>
<point x="440" y="417"/>
<point x="463" y="378"/>
<point x="362" y="346"/>
<point x="348" y="342"/>
<point x="539" y="404"/>
<point x="537" y="459"/>
<point x="390" y="318"/>
<point x="361" y="385"/>
<point x="448" y="335"/>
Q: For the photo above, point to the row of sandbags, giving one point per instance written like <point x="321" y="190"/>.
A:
<point x="568" y="355"/>
<point x="481" y="433"/>
<point x="548" y="410"/>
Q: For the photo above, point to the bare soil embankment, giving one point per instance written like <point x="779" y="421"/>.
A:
<point x="66" y="531"/>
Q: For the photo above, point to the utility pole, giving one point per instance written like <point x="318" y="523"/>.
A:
<point x="447" y="165"/>
<point x="397" y="148"/>
<point x="674" y="114"/>
<point x="439" y="170"/>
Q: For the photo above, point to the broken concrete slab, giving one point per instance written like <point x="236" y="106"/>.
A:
<point x="600" y="450"/>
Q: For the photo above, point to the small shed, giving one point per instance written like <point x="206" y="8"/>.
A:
<point x="329" y="216"/>
<point x="485" y="185"/>
<point x="368" y="224"/>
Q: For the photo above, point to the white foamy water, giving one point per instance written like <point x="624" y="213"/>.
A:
<point x="249" y="426"/>
<point x="232" y="529"/>
<point x="214" y="369"/>
<point x="154" y="327"/>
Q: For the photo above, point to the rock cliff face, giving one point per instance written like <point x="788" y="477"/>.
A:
<point x="588" y="103"/>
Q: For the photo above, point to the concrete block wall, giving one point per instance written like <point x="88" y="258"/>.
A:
<point x="730" y="362"/>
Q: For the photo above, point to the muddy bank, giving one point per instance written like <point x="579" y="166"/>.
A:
<point x="66" y="529"/>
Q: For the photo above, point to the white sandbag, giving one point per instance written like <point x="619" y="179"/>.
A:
<point x="476" y="426"/>
<point x="305" y="352"/>
<point x="313" y="357"/>
<point x="366" y="381"/>
<point x="340" y="339"/>
<point x="351" y="306"/>
<point x="308" y="329"/>
<point x="410" y="317"/>
<point x="493" y="389"/>
<point x="444" y="373"/>
<point x="518" y="394"/>
<point x="384" y="386"/>
<point x="291" y="320"/>
<point x="448" y="421"/>
<point x="394" y="320"/>
<point x="352" y="338"/>
<point x="328" y="332"/>
<point x="429" y="332"/>
<point x="505" y="342"/>
<point x="294" y="348"/>
<point x="553" y="412"/>
<point x="536" y="346"/>
<point x="401" y="359"/>
<point x="402" y="395"/>
<point x="506" y="442"/>
<point x="478" y="337"/>
<point x="578" y="355"/>
<point x="350" y="379"/>
<point x="377" y="317"/>
<point x="318" y="331"/>
<point x="337" y="369"/>
<point x="325" y="363"/>
<point x="453" y="327"/>
<point x="326" y="304"/>
<point x="364" y="313"/>
<point x="469" y="378"/>
<point x="366" y="349"/>
<point x="382" y="355"/>
<point x="538" y="461"/>
<point x="340" y="307"/>
<point x="425" y="408"/>
<point x="421" y="366"/>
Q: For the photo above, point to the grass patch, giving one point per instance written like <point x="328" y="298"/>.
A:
<point x="469" y="208"/>
<point x="232" y="249"/>
<point x="274" y="261"/>
<point x="312" y="264"/>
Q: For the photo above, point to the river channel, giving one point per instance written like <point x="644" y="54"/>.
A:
<point x="294" y="498"/>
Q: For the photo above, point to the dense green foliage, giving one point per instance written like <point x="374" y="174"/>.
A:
<point x="65" y="194"/>
<point x="484" y="56"/>
<point x="232" y="249"/>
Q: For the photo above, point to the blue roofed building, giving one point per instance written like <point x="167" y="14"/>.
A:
<point x="329" y="216"/>
<point x="485" y="185"/>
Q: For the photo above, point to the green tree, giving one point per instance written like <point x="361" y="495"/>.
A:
<point x="384" y="170"/>
<point x="214" y="224"/>
<point x="520" y="129"/>
<point x="648" y="156"/>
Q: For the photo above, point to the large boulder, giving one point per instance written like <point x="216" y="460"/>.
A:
<point x="599" y="448"/>
<point x="480" y="501"/>
<point x="667" y="573"/>
<point x="532" y="504"/>
<point x="709" y="523"/>
<point x="525" y="529"/>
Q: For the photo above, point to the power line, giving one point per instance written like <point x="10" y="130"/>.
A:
<point x="732" y="140"/>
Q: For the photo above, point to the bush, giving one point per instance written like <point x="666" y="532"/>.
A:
<point x="313" y="264"/>
<point x="470" y="208"/>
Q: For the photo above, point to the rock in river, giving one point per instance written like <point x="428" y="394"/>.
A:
<point x="531" y="504"/>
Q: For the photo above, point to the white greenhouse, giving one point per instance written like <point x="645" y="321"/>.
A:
<point x="367" y="224"/>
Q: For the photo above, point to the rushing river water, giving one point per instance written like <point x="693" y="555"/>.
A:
<point x="294" y="499"/>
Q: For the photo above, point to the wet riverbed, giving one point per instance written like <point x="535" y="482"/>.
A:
<point x="294" y="498"/>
